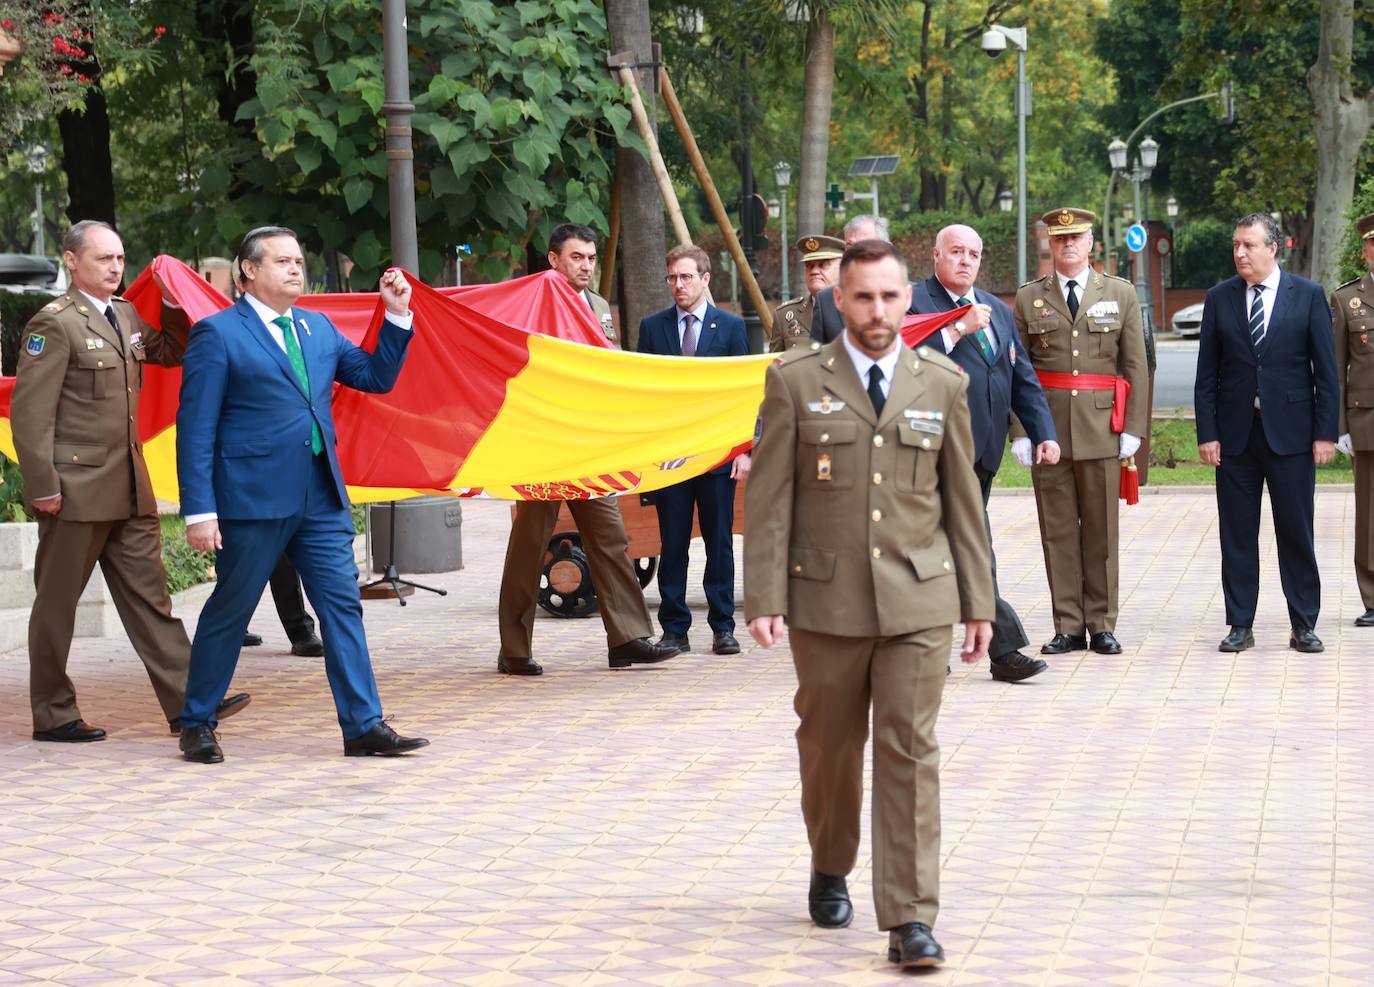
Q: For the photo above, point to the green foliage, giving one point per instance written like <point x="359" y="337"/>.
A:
<point x="1351" y="263"/>
<point x="16" y="309"/>
<point x="11" y="491"/>
<point x="1202" y="253"/>
<point x="184" y="565"/>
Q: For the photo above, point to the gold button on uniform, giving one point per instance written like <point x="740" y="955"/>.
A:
<point x="1073" y="394"/>
<point x="946" y="565"/>
<point x="100" y="363"/>
<point x="925" y="443"/>
<point x="1075" y="334"/>
<point x="796" y="568"/>
<point x="1075" y="373"/>
<point x="877" y="515"/>
<point x="877" y="553"/>
<point x="878" y="441"/>
<point x="825" y="436"/>
<point x="1075" y="352"/>
<point x="877" y="479"/>
<point x="74" y="459"/>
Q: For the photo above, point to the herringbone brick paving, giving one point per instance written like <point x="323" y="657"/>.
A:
<point x="1171" y="816"/>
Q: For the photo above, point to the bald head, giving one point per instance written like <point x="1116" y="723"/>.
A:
<point x="958" y="254"/>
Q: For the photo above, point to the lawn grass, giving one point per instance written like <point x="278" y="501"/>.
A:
<point x="1174" y="461"/>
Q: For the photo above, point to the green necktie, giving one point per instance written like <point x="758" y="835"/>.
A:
<point x="293" y="353"/>
<point x="984" y="343"/>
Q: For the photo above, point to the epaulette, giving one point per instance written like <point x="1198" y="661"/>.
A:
<point x="1030" y="282"/>
<point x="1116" y="277"/>
<point x="797" y="353"/>
<point x="58" y="304"/>
<point x="938" y="359"/>
<point x="1352" y="281"/>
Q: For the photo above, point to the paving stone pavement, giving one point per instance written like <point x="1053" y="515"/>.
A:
<point x="1169" y="816"/>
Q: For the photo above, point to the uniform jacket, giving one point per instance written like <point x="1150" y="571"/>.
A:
<point x="720" y="334"/>
<point x="1294" y="374"/>
<point x="995" y="389"/>
<point x="244" y="423"/>
<point x="792" y="324"/>
<point x="75" y="405"/>
<point x="827" y="324"/>
<point x="1352" y="307"/>
<point x="1105" y="338"/>
<point x="893" y="541"/>
<point x="602" y="310"/>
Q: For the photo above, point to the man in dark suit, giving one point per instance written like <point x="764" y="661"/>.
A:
<point x="259" y="476"/>
<point x="984" y="343"/>
<point x="694" y="327"/>
<point x="1267" y="399"/>
<point x="827" y="324"/>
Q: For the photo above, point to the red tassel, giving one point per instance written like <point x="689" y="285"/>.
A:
<point x="1130" y="482"/>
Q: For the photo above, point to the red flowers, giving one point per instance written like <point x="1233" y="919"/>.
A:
<point x="6" y="25"/>
<point x="159" y="30"/>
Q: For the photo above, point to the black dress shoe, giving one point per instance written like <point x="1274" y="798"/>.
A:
<point x="640" y="651"/>
<point x="233" y="704"/>
<point x="828" y="901"/>
<point x="75" y="732"/>
<point x="678" y="642"/>
<point x="912" y="946"/>
<point x="724" y="643"/>
<point x="1305" y="641"/>
<point x="198" y="746"/>
<point x="1239" y="639"/>
<point x="310" y="647"/>
<point x="1062" y="644"/>
<point x="1016" y="667"/>
<point x="251" y="640"/>
<point x="1366" y="619"/>
<point x="382" y="741"/>
<point x="1105" y="643"/>
<point x="518" y="666"/>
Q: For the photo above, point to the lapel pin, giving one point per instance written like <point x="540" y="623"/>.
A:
<point x="304" y="326"/>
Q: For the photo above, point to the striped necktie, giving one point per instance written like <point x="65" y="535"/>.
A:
<point x="981" y="335"/>
<point x="1257" y="317"/>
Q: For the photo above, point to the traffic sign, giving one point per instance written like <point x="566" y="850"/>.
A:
<point x="1163" y="245"/>
<point x="1136" y="237"/>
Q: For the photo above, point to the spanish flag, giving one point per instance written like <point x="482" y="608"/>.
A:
<point x="509" y="391"/>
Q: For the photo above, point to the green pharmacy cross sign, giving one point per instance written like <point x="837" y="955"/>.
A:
<point x="835" y="197"/>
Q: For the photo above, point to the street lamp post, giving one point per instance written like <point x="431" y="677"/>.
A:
<point x="782" y="173"/>
<point x="400" y="156"/>
<point x="995" y="39"/>
<point x="37" y="156"/>
<point x="1005" y="200"/>
<point x="1147" y="155"/>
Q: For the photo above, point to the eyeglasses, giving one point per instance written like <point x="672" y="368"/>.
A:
<point x="673" y="279"/>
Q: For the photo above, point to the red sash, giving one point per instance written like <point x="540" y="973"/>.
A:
<point x="1119" y="386"/>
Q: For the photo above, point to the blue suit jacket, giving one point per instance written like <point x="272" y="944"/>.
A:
<point x="720" y="334"/>
<point x="244" y="422"/>
<point x="997" y="389"/>
<point x="1294" y="374"/>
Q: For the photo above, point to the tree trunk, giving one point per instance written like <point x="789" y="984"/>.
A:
<point x="228" y="50"/>
<point x="1341" y="123"/>
<point x="817" y="89"/>
<point x="86" y="143"/>
<point x="643" y="244"/>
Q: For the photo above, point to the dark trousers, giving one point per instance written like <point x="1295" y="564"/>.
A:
<point x="712" y="498"/>
<point x="290" y="603"/>
<point x="1292" y="481"/>
<point x="1007" y="633"/>
<point x="319" y="541"/>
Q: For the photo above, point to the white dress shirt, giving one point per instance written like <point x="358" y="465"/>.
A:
<point x="1267" y="296"/>
<point x="699" y="312"/>
<point x="863" y="362"/>
<point x="949" y="334"/>
<point x="1080" y="281"/>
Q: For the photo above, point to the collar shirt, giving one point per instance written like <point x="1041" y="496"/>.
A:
<point x="699" y="312"/>
<point x="863" y="362"/>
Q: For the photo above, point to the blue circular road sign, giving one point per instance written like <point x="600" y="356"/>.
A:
<point x="1136" y="237"/>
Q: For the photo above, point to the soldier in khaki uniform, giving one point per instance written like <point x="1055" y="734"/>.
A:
<point x="1083" y="334"/>
<point x="75" y="414"/>
<point x="792" y="320"/>
<point x="572" y="252"/>
<point x="865" y="533"/>
<point x="1352" y="307"/>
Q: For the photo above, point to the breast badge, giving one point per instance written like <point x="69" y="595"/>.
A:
<point x="823" y="466"/>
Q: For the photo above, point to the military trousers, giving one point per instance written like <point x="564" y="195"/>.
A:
<point x="1078" y="503"/>
<point x="130" y="556"/>
<point x="619" y="597"/>
<point x="903" y="679"/>
<point x="1364" y="532"/>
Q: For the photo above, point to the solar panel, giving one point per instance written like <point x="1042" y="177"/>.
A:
<point x="872" y="167"/>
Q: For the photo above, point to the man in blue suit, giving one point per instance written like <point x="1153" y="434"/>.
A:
<point x="984" y="343"/>
<point x="693" y="327"/>
<point x="259" y="476"/>
<point x="1267" y="404"/>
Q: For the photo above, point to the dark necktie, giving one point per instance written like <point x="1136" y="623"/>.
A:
<point x="689" y="335"/>
<point x="875" y="388"/>
<point x="1257" y="316"/>
<point x="114" y="323"/>
<point x="1073" y="299"/>
<point x="984" y="343"/>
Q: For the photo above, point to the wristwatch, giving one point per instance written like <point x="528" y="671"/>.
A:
<point x="959" y="327"/>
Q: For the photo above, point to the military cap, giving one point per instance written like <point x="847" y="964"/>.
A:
<point x="1365" y="226"/>
<point x="813" y="247"/>
<point x="1066" y="222"/>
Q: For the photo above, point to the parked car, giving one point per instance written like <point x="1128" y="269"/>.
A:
<point x="29" y="272"/>
<point x="1187" y="322"/>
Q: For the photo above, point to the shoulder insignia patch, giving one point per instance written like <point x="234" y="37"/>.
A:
<point x="34" y="346"/>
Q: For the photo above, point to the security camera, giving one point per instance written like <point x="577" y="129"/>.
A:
<point x="993" y="43"/>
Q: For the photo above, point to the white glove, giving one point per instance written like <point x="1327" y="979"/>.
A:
<point x="1343" y="444"/>
<point x="1129" y="445"/>
<point x="1021" y="450"/>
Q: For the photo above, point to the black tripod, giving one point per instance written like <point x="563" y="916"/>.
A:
<point x="391" y="577"/>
